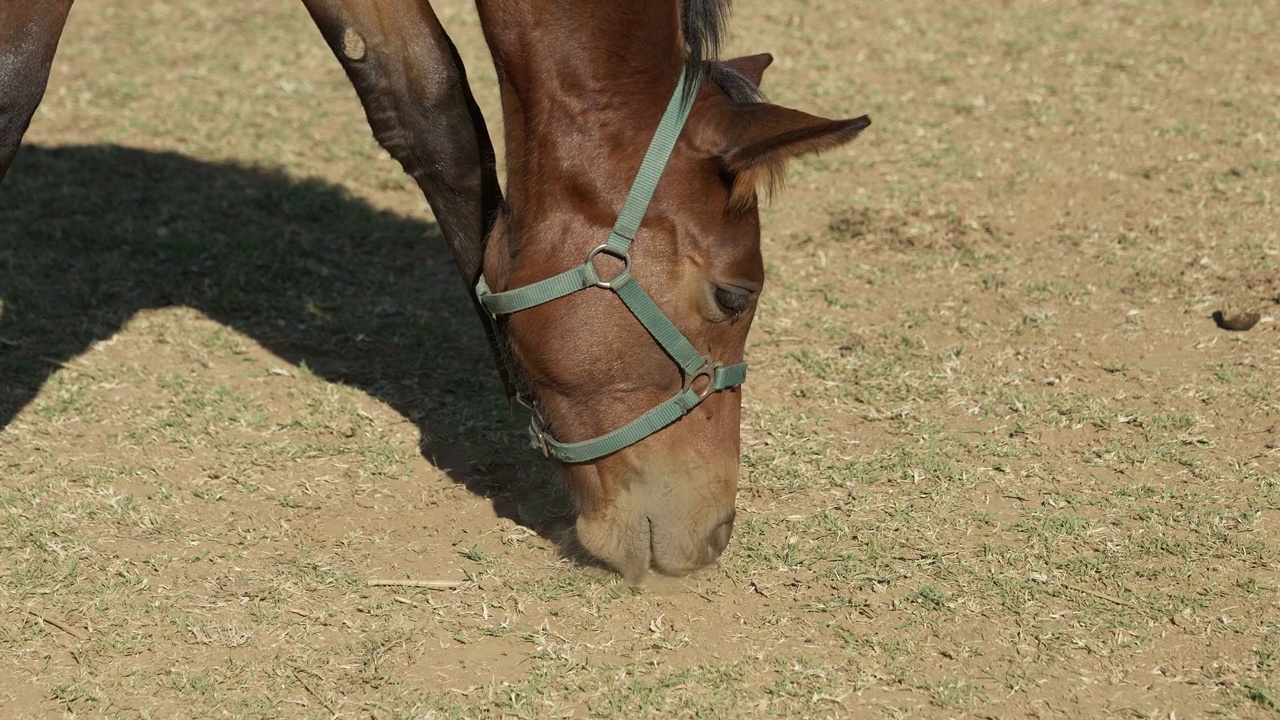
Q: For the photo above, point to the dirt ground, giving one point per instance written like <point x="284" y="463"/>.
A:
<point x="999" y="459"/>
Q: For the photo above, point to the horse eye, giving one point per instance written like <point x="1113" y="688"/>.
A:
<point x="732" y="301"/>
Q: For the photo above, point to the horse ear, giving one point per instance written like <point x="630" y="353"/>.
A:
<point x="751" y="67"/>
<point x="755" y="140"/>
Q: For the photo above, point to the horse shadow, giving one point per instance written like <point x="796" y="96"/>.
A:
<point x="90" y="235"/>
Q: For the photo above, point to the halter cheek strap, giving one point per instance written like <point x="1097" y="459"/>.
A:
<point x="701" y="375"/>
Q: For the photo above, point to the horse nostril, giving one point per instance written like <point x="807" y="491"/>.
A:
<point x="718" y="540"/>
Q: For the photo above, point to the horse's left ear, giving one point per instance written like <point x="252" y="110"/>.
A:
<point x="755" y="140"/>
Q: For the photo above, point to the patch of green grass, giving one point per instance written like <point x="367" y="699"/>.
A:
<point x="1268" y="698"/>
<point x="955" y="694"/>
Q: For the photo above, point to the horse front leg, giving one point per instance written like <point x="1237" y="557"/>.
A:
<point x="413" y="86"/>
<point x="414" y="89"/>
<point x="29" y="33"/>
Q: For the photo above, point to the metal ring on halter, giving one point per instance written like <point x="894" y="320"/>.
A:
<point x="539" y="435"/>
<point x="708" y="371"/>
<point x="622" y="255"/>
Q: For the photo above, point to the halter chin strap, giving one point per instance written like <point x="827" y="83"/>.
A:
<point x="702" y="376"/>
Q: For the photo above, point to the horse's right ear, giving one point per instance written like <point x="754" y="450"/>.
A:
<point x="754" y="141"/>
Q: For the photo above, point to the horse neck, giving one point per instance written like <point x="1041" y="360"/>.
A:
<point x="583" y="85"/>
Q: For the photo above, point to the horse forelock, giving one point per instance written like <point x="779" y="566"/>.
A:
<point x="703" y="25"/>
<point x="737" y="86"/>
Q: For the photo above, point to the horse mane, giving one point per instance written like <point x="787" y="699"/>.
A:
<point x="703" y="25"/>
<point x="739" y="88"/>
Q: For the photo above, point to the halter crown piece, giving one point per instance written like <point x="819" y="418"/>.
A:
<point x="693" y="365"/>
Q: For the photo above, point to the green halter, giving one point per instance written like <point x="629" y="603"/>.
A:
<point x="702" y="376"/>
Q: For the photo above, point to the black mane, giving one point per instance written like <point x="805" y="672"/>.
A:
<point x="703" y="23"/>
<point x="738" y="88"/>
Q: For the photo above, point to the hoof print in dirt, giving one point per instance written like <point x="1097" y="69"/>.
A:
<point x="1238" y="321"/>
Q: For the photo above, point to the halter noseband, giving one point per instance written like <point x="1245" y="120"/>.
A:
<point x="694" y="366"/>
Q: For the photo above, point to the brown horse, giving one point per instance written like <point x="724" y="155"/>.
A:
<point x="584" y="85"/>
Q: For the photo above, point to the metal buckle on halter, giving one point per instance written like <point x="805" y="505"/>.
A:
<point x="525" y="400"/>
<point x="613" y="252"/>
<point x="539" y="436"/>
<point x="708" y="371"/>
